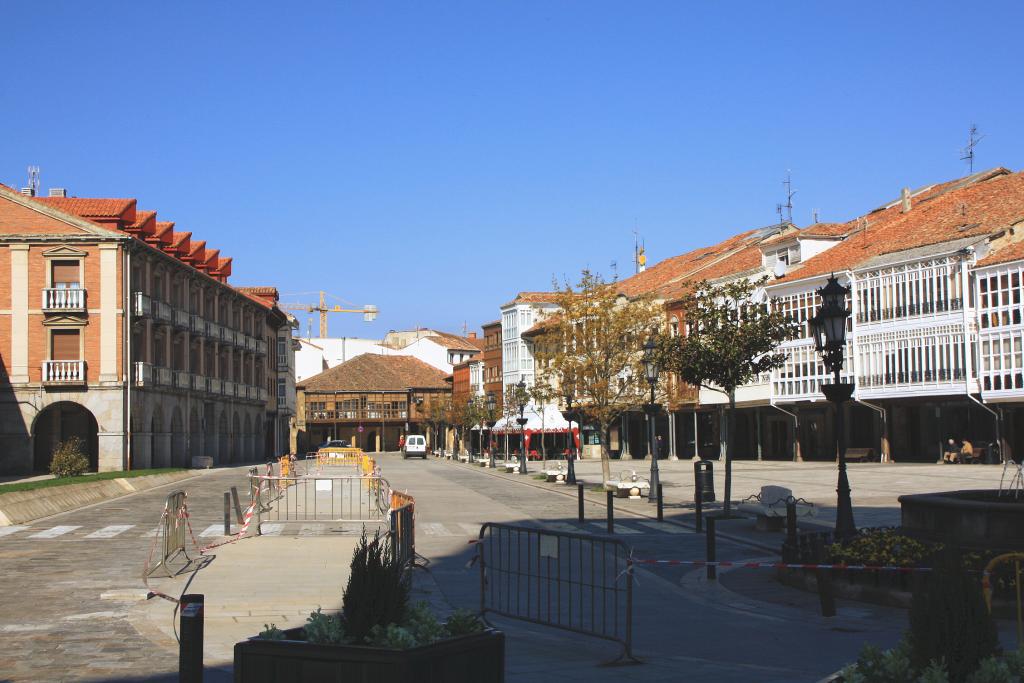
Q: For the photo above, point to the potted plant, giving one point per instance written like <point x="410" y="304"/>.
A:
<point x="377" y="636"/>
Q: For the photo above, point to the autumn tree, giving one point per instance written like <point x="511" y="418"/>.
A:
<point x="731" y="339"/>
<point x="541" y="394"/>
<point x="594" y="345"/>
<point x="437" y="415"/>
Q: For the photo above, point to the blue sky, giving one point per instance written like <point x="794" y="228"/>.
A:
<point x="435" y="158"/>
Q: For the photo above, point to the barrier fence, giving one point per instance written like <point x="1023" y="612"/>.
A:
<point x="346" y="498"/>
<point x="403" y="528"/>
<point x="576" y="582"/>
<point x="170" y="533"/>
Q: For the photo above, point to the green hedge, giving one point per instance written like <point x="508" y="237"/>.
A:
<point x="83" y="479"/>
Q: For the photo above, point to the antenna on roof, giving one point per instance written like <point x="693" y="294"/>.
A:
<point x="639" y="258"/>
<point x="33" y="182"/>
<point x="465" y="329"/>
<point x="814" y="215"/>
<point x="968" y="152"/>
<point x="615" y="270"/>
<point x="788" y="206"/>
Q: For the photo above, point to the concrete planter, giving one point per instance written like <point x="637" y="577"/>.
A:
<point x="972" y="519"/>
<point x="466" y="659"/>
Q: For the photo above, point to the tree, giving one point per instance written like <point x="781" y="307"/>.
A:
<point x="542" y="393"/>
<point x="437" y="415"/>
<point x="731" y="340"/>
<point x="593" y="345"/>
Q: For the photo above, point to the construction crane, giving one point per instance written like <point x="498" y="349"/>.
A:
<point x="369" y="311"/>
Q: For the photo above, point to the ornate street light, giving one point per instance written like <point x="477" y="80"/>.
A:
<point x="570" y="474"/>
<point x="490" y="424"/>
<point x="651" y="369"/>
<point x="521" y="398"/>
<point x="829" y="329"/>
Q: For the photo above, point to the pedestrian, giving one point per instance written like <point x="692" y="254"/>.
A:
<point x="658" y="447"/>
<point x="966" y="451"/>
<point x="951" y="453"/>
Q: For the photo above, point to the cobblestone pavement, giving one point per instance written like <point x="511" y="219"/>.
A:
<point x="73" y="579"/>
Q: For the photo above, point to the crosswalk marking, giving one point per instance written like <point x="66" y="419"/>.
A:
<point x="151" y="533"/>
<point x="619" y="528"/>
<point x="55" y="531"/>
<point x="213" y="530"/>
<point x="8" y="530"/>
<point x="662" y="526"/>
<point x="471" y="529"/>
<point x="434" y="529"/>
<point x="271" y="529"/>
<point x="110" y="531"/>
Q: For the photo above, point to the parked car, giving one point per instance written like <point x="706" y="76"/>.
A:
<point x="415" y="445"/>
<point x="335" y="443"/>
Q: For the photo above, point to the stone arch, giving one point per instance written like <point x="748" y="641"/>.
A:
<point x="161" y="440"/>
<point x="234" y="445"/>
<point x="59" y="422"/>
<point x="247" y="438"/>
<point x="179" y="454"/>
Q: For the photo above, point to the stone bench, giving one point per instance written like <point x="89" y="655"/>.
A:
<point x="769" y="507"/>
<point x="556" y="474"/>
<point x="629" y="485"/>
<point x="860" y="454"/>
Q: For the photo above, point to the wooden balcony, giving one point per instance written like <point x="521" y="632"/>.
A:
<point x="355" y="415"/>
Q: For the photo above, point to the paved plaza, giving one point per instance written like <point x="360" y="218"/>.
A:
<point x="79" y="611"/>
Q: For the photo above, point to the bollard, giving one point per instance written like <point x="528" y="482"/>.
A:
<point x="712" y="569"/>
<point x="190" y="646"/>
<point x="238" y="505"/>
<point x="791" y="522"/>
<point x="824" y="576"/>
<point x="611" y="511"/>
<point x="661" y="505"/>
<point x="699" y="508"/>
<point x="227" y="513"/>
<point x="579" y="495"/>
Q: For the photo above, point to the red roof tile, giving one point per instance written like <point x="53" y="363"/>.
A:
<point x="1011" y="252"/>
<point x="89" y="207"/>
<point x="372" y="372"/>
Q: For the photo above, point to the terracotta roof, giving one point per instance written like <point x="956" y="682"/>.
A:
<point x="142" y="218"/>
<point x="89" y="207"/>
<point x="455" y="342"/>
<point x="491" y="324"/>
<point x="534" y="298"/>
<point x="1011" y="252"/>
<point x="977" y="206"/>
<point x="372" y="372"/>
<point x="826" y="230"/>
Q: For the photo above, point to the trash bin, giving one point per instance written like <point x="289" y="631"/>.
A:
<point x="704" y="480"/>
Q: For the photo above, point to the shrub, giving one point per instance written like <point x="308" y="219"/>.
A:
<point x="69" y="459"/>
<point x="271" y="632"/>
<point x="949" y="621"/>
<point x="462" y="622"/>
<point x="883" y="547"/>
<point x="324" y="629"/>
<point x="377" y="593"/>
<point x="992" y="670"/>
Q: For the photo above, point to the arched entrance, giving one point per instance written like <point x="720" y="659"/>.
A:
<point x="233" y="447"/>
<point x="222" y="438"/>
<point x="161" y="442"/>
<point x="195" y="434"/>
<point x="248" y="439"/>
<point x="59" y="422"/>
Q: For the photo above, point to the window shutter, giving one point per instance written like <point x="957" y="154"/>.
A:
<point x="65" y="274"/>
<point x="65" y="345"/>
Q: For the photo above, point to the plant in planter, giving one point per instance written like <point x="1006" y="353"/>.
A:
<point x="377" y="636"/>
<point x="69" y="459"/>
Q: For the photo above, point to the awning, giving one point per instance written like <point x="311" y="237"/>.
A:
<point x="546" y="419"/>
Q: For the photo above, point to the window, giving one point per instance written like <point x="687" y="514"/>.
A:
<point x="65" y="275"/>
<point x="64" y="345"/>
<point x="281" y="348"/>
<point x="281" y="387"/>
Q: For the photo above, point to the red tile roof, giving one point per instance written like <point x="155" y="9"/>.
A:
<point x="456" y="343"/>
<point x="534" y="298"/>
<point x="372" y="372"/>
<point x="1011" y="252"/>
<point x="90" y="208"/>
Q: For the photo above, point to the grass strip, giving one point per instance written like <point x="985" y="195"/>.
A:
<point x="83" y="479"/>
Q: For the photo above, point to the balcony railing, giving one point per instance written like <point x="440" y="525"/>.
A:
<point x="64" y="372"/>
<point x="250" y="343"/>
<point x="182" y="319"/>
<point x="261" y="347"/>
<point x="143" y="374"/>
<point x="182" y="380"/>
<point x="213" y="385"/>
<point x="164" y="376"/>
<point x="142" y="306"/>
<point x="55" y="299"/>
<point x="282" y="361"/>
<point x="163" y="311"/>
<point x="196" y="324"/>
<point x="333" y="415"/>
<point x="262" y="395"/>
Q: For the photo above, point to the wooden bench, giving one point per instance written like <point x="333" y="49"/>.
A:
<point x="860" y="455"/>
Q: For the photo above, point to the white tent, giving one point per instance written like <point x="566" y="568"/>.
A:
<point x="546" y="419"/>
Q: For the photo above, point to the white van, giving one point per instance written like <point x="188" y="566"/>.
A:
<point x="415" y="444"/>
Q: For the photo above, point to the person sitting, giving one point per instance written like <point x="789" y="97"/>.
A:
<point x="966" y="451"/>
<point x="951" y="454"/>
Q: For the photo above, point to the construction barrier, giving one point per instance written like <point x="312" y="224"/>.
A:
<point x="576" y="582"/>
<point x="170" y="533"/>
<point x="403" y="528"/>
<point x="320" y="499"/>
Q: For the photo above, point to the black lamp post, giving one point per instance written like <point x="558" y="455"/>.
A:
<point x="570" y="474"/>
<point x="829" y="328"/>
<point x="651" y="369"/>
<point x="521" y="398"/>
<point x="490" y="423"/>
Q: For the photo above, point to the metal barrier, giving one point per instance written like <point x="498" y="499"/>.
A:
<point x="403" y="528"/>
<point x="986" y="586"/>
<point x="320" y="499"/>
<point x="576" y="582"/>
<point x="171" y="532"/>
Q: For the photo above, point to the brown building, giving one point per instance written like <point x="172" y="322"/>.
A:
<point x="370" y="401"/>
<point x="492" y="363"/>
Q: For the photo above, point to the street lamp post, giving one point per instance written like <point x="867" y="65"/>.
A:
<point x="651" y="369"/>
<point x="490" y="424"/>
<point x="469" y="441"/>
<point x="521" y="398"/>
<point x="829" y="328"/>
<point x="570" y="474"/>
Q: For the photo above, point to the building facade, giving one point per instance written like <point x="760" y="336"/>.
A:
<point x="124" y="332"/>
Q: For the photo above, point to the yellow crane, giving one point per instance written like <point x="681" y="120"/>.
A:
<point x="369" y="311"/>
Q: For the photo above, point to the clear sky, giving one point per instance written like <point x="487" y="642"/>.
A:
<point x="433" y="158"/>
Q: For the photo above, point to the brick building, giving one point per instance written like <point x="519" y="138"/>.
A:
<point x="492" y="363"/>
<point x="125" y="332"/>
<point x="370" y="401"/>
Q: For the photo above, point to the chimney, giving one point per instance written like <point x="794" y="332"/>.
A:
<point x="905" y="199"/>
<point x="58" y="192"/>
<point x="472" y="335"/>
<point x="28" y="191"/>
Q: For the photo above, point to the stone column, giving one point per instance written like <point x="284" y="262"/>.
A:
<point x="19" y="313"/>
<point x="672" y="436"/>
<point x="624" y="453"/>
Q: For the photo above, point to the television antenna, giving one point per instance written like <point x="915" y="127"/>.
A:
<point x="788" y="206"/>
<point x="972" y="141"/>
<point x="33" y="180"/>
